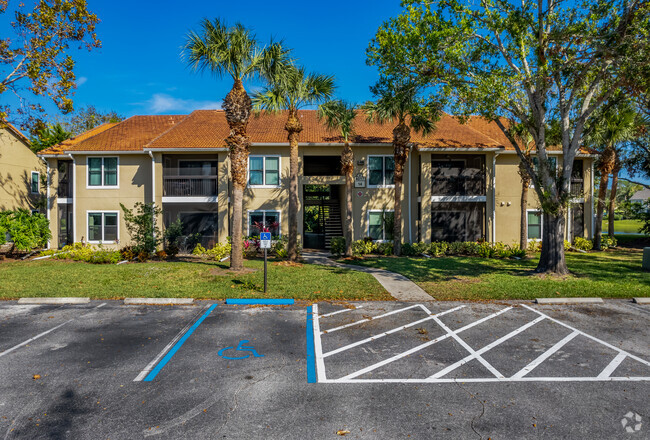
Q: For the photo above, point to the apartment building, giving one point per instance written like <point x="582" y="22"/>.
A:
<point x="22" y="173"/>
<point x="460" y="183"/>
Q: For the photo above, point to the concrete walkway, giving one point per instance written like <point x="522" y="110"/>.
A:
<point x="400" y="287"/>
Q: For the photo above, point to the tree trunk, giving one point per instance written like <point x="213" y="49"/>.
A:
<point x="602" y="194"/>
<point x="237" y="107"/>
<point x="523" y="227"/>
<point x="293" y="127"/>
<point x="401" y="138"/>
<point x="612" y="198"/>
<point x="552" y="257"/>
<point x="347" y="166"/>
<point x="606" y="165"/>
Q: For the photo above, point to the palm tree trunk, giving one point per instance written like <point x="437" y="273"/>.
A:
<point x="293" y="127"/>
<point x="237" y="107"/>
<point x="401" y="138"/>
<point x="602" y="194"/>
<point x="612" y="197"/>
<point x="523" y="226"/>
<point x="347" y="166"/>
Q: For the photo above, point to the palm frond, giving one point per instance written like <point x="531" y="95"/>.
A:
<point x="339" y="116"/>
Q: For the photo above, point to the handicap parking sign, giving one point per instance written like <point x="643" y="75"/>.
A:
<point x="265" y="240"/>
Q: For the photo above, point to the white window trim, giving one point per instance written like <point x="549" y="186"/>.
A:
<point x="102" y="186"/>
<point x="264" y="156"/>
<point x="383" y="229"/>
<point x="38" y="182"/>
<point x="102" y="241"/>
<point x="248" y="214"/>
<point x="383" y="156"/>
<point x="541" y="225"/>
<point x="458" y="199"/>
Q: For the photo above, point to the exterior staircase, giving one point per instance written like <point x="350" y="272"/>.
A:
<point x="333" y="223"/>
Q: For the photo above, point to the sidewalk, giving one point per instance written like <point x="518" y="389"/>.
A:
<point x="400" y="287"/>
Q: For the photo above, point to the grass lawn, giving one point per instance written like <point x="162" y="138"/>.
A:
<point x="611" y="274"/>
<point x="623" y="226"/>
<point x="183" y="279"/>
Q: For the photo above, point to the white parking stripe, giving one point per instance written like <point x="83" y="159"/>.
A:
<point x="22" y="344"/>
<point x="547" y="354"/>
<point x="381" y="335"/>
<point x="631" y="356"/>
<point x="477" y="354"/>
<point x="420" y="347"/>
<point x="339" y="311"/>
<point x="318" y="348"/>
<point x="609" y="369"/>
<point x="369" y="319"/>
<point x="495" y="379"/>
<point x="140" y="377"/>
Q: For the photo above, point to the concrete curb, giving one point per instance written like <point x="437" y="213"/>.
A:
<point x="260" y="301"/>
<point x="569" y="300"/>
<point x="158" y="301"/>
<point x="72" y="300"/>
<point x="645" y="301"/>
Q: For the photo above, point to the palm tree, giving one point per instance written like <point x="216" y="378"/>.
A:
<point x="339" y="115"/>
<point x="235" y="52"/>
<point x="397" y="100"/>
<point x="292" y="90"/>
<point x="617" y="125"/>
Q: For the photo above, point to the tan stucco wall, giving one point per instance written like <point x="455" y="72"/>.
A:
<point x="17" y="162"/>
<point x="134" y="185"/>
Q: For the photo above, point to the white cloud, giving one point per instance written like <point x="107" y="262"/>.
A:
<point x="81" y="80"/>
<point x="163" y="103"/>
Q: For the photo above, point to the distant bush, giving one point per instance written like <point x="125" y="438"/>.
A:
<point x="25" y="230"/>
<point x="173" y="237"/>
<point x="583" y="244"/>
<point x="439" y="249"/>
<point x="607" y="242"/>
<point x="218" y="252"/>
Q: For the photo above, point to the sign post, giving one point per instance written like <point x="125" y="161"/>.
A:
<point x="265" y="243"/>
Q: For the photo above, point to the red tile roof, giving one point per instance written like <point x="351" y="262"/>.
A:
<point x="15" y="131"/>
<point x="58" y="149"/>
<point x="208" y="129"/>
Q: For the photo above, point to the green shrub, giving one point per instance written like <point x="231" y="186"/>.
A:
<point x="408" y="250"/>
<point x="173" y="237"/>
<point x="337" y="246"/>
<point x="384" y="248"/>
<point x="582" y="244"/>
<point x="362" y="247"/>
<point x="217" y="253"/>
<point x="142" y="227"/>
<point x="27" y="231"/>
<point x="199" y="250"/>
<point x="86" y="253"/>
<point x="606" y="242"/>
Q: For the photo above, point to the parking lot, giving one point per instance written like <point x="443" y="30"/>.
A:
<point x="377" y="370"/>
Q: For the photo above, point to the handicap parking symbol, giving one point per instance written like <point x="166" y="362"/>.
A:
<point x="240" y="347"/>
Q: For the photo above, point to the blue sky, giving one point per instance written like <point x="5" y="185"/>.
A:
<point x="139" y="69"/>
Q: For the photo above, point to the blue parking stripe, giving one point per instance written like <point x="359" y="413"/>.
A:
<point x="311" y="356"/>
<point x="260" y="301"/>
<point x="178" y="345"/>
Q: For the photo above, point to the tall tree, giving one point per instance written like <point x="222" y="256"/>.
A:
<point x="525" y="184"/>
<point x="292" y="90"/>
<point x="526" y="62"/>
<point x="35" y="58"/>
<point x="339" y="115"/>
<point x="615" y="126"/>
<point x="235" y="52"/>
<point x="397" y="100"/>
<point x="52" y="134"/>
<point x="88" y="117"/>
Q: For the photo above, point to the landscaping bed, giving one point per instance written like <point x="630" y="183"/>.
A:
<point x="194" y="279"/>
<point x="609" y="274"/>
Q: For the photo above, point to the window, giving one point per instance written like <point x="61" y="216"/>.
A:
<point x="380" y="225"/>
<point x="381" y="170"/>
<point x="263" y="219"/>
<point x="264" y="170"/>
<point x="534" y="225"/>
<point x="102" y="172"/>
<point x="197" y="168"/>
<point x="34" y="184"/>
<point x="102" y="227"/>
<point x="552" y="161"/>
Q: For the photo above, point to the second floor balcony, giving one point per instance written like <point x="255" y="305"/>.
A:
<point x="458" y="175"/>
<point x="189" y="186"/>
